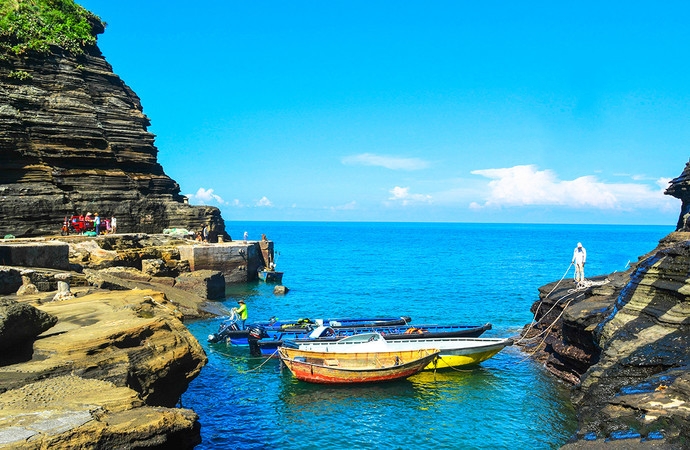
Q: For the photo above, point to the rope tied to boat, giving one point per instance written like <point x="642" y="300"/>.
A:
<point x="541" y="302"/>
<point x="262" y="364"/>
<point x="545" y="332"/>
<point x="579" y="289"/>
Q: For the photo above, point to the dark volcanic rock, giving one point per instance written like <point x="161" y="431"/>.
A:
<point x="20" y="323"/>
<point x="10" y="280"/>
<point x="562" y="335"/>
<point x="625" y="345"/>
<point x="641" y="380"/>
<point x="680" y="188"/>
<point x="74" y="139"/>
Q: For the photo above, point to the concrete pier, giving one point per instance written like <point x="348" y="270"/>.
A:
<point x="237" y="260"/>
<point x="33" y="253"/>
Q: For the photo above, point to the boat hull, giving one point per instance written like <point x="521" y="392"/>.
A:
<point x="301" y="327"/>
<point x="270" y="276"/>
<point x="355" y="368"/>
<point x="270" y="344"/>
<point x="454" y="352"/>
<point x="458" y="353"/>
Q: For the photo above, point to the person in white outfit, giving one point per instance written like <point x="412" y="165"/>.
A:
<point x="579" y="259"/>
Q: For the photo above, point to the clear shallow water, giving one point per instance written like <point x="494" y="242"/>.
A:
<point x="435" y="273"/>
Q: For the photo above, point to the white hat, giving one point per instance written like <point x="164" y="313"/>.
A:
<point x="579" y="244"/>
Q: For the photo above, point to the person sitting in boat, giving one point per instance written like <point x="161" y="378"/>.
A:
<point x="241" y="312"/>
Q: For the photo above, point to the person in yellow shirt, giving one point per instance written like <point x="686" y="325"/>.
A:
<point x="241" y="312"/>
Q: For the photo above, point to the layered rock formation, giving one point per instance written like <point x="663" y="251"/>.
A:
<point x="641" y="382"/>
<point x="73" y="412"/>
<point x="106" y="375"/>
<point x="74" y="139"/>
<point x="623" y="342"/>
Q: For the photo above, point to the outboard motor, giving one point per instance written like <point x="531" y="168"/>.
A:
<point x="255" y="332"/>
<point x="223" y="330"/>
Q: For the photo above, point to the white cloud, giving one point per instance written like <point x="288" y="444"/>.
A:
<point x="264" y="202"/>
<point x="389" y="162"/>
<point x="204" y="197"/>
<point x="403" y="195"/>
<point x="526" y="185"/>
<point x="346" y="207"/>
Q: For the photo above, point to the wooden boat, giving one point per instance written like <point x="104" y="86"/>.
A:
<point x="273" y="340"/>
<point x="270" y="276"/>
<point x="229" y="331"/>
<point x="454" y="352"/>
<point x="355" y="367"/>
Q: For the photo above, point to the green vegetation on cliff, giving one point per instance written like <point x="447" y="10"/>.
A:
<point x="38" y="24"/>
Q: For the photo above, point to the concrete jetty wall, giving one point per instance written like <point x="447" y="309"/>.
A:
<point x="238" y="261"/>
<point x="47" y="254"/>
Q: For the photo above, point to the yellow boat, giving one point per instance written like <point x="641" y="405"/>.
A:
<point x="454" y="352"/>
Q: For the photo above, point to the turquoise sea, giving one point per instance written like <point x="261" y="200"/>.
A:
<point x="444" y="273"/>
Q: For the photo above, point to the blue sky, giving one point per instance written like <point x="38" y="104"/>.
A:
<point x="536" y="112"/>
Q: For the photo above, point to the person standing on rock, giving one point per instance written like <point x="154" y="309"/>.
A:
<point x="204" y="233"/>
<point x="579" y="259"/>
<point x="113" y="225"/>
<point x="241" y="312"/>
<point x="97" y="224"/>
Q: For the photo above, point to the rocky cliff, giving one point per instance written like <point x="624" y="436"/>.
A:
<point x="622" y="341"/>
<point x="106" y="370"/>
<point x="74" y="139"/>
<point x="680" y="188"/>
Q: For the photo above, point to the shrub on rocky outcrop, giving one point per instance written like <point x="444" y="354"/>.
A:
<point x="38" y="24"/>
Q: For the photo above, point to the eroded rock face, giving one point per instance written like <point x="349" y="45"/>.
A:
<point x="680" y="188"/>
<point x="562" y="335"/>
<point x="74" y="139"/>
<point x="625" y="345"/>
<point x="10" y="280"/>
<point x="208" y="284"/>
<point x="75" y="412"/>
<point x="641" y="380"/>
<point x="131" y="338"/>
<point x="20" y="323"/>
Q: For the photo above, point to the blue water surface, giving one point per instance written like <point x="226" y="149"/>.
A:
<point x="434" y="272"/>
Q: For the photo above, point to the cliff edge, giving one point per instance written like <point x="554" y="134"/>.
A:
<point x="623" y="342"/>
<point x="73" y="135"/>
